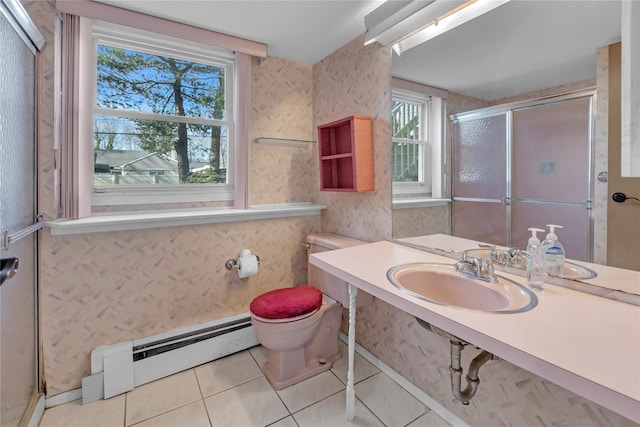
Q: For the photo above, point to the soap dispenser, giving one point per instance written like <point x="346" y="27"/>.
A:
<point x="535" y="272"/>
<point x="552" y="252"/>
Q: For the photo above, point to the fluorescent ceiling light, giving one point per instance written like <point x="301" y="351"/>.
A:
<point x="445" y="22"/>
<point x="395" y="20"/>
<point x="389" y="16"/>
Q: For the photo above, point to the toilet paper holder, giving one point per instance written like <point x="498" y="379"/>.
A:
<point x="232" y="264"/>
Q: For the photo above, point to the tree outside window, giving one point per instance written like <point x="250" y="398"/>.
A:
<point x="159" y="113"/>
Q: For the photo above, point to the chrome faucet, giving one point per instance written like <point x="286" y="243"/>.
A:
<point x="511" y="257"/>
<point x="493" y="253"/>
<point x="476" y="268"/>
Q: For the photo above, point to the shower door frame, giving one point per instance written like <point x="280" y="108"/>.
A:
<point x="19" y="20"/>
<point x="507" y="200"/>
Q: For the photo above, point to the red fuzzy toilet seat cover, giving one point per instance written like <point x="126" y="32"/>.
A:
<point x="287" y="302"/>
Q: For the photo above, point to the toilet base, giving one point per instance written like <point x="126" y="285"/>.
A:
<point x="314" y="367"/>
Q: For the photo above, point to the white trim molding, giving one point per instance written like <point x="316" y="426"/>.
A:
<point x="180" y="217"/>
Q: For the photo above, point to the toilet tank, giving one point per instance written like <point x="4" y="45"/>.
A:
<point x="328" y="283"/>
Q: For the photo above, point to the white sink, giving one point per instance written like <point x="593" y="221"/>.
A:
<point x="440" y="284"/>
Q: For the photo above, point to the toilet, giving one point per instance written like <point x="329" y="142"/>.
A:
<point x="299" y="325"/>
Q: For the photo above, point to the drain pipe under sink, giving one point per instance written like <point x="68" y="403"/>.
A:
<point x="465" y="395"/>
<point x="457" y="345"/>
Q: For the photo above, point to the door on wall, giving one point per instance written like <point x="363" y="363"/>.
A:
<point x="19" y="365"/>
<point x="525" y="166"/>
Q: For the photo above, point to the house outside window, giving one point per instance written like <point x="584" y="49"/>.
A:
<point x="162" y="120"/>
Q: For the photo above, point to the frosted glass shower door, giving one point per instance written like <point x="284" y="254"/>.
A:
<point x="480" y="206"/>
<point x="550" y="174"/>
<point x="521" y="166"/>
<point x="19" y="369"/>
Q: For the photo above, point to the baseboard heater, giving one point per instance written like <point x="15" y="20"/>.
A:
<point x="121" y="367"/>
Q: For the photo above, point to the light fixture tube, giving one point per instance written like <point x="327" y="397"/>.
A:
<point x="405" y="18"/>
<point x="390" y="15"/>
<point x="446" y="23"/>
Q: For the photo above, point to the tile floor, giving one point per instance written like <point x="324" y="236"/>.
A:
<point x="232" y="391"/>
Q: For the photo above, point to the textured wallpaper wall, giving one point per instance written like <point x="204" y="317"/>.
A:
<point x="104" y="288"/>
<point x="282" y="104"/>
<point x="421" y="221"/>
<point x="356" y="80"/>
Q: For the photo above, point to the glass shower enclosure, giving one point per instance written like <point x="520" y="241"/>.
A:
<point x="20" y="389"/>
<point x="525" y="165"/>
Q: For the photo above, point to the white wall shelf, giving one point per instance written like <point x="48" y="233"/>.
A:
<point x="282" y="142"/>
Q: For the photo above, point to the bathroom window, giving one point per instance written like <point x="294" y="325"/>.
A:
<point x="412" y="147"/>
<point x="162" y="118"/>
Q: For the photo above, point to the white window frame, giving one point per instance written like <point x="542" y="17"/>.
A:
<point x="431" y="174"/>
<point x="159" y="44"/>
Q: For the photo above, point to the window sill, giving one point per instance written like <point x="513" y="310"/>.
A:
<point x="421" y="202"/>
<point x="175" y="218"/>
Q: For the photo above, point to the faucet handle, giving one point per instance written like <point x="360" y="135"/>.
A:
<point x="487" y="271"/>
<point x="463" y="254"/>
<point x="476" y="263"/>
<point x="492" y="249"/>
<point x="488" y="267"/>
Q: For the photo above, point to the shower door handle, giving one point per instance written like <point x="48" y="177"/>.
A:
<point x="9" y="266"/>
<point x="8" y="269"/>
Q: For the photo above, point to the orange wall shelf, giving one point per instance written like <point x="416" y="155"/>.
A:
<point x="346" y="155"/>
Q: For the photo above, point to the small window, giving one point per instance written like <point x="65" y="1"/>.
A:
<point x="162" y="118"/>
<point x="410" y="158"/>
<point x="416" y="158"/>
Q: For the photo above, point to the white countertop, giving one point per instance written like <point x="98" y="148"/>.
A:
<point x="585" y="343"/>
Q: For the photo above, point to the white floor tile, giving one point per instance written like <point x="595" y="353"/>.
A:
<point x="237" y="394"/>
<point x="251" y="404"/>
<point x="260" y="354"/>
<point x="430" y="419"/>
<point x="192" y="415"/>
<point x="310" y="391"/>
<point x="101" y="413"/>
<point x="331" y="412"/>
<point x="225" y="373"/>
<point x="162" y="396"/>
<point x="362" y="368"/>
<point x="286" y="422"/>
<point x="390" y="402"/>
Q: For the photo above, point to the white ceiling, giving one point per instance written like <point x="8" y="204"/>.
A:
<point x="299" y="30"/>
<point x="521" y="46"/>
